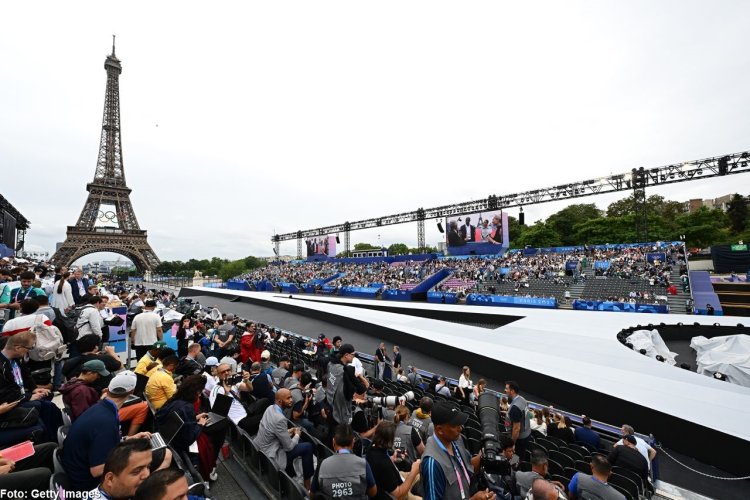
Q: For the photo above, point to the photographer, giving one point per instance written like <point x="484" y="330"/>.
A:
<point x="385" y="467"/>
<point x="344" y="474"/>
<point x="302" y="399"/>
<point x="421" y="419"/>
<point x="447" y="467"/>
<point x="343" y="384"/>
<point x="407" y="438"/>
<point x="376" y="390"/>
<point x="259" y="384"/>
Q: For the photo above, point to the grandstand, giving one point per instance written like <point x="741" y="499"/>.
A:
<point x="634" y="277"/>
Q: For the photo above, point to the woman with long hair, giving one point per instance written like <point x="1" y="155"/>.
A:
<point x="465" y="385"/>
<point x="62" y="294"/>
<point x="407" y="437"/>
<point x="186" y="403"/>
<point x="538" y="423"/>
<point x="479" y="389"/>
<point x="184" y="334"/>
<point x="387" y="476"/>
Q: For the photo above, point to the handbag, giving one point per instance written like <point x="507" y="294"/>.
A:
<point x="20" y="416"/>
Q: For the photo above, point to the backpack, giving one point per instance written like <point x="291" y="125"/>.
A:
<point x="76" y="326"/>
<point x="66" y="323"/>
<point x="49" y="341"/>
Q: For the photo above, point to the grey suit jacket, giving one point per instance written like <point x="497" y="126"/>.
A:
<point x="273" y="437"/>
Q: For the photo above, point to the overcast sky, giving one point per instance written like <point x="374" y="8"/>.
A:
<point x="244" y="119"/>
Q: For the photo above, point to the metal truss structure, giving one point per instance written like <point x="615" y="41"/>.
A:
<point x="637" y="180"/>
<point x="108" y="189"/>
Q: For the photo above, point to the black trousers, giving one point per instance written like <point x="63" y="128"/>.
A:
<point x="31" y="474"/>
<point x="140" y="351"/>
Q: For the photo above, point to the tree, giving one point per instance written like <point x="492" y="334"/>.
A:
<point x="563" y="221"/>
<point x="538" y="235"/>
<point x="514" y="229"/>
<point x="231" y="269"/>
<point x="398" y="249"/>
<point x="253" y="262"/>
<point x="737" y="213"/>
<point x="365" y="246"/>
<point x="704" y="227"/>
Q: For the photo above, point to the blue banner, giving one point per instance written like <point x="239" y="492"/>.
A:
<point x="510" y="301"/>
<point x="360" y="292"/>
<point x="402" y="295"/>
<point x="601" y="264"/>
<point x="442" y="297"/>
<point x="600" y="305"/>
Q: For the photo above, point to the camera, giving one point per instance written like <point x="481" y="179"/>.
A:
<point x="389" y="401"/>
<point x="493" y="462"/>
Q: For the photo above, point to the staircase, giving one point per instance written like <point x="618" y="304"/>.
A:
<point x="677" y="303"/>
<point x="576" y="290"/>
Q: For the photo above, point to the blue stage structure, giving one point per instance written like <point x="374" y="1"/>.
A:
<point x="605" y="305"/>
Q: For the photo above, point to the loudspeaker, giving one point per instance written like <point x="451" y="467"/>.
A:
<point x="723" y="165"/>
<point x="522" y="219"/>
<point x="440" y="227"/>
<point x="338" y="241"/>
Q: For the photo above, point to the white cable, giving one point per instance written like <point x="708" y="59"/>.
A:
<point x="702" y="473"/>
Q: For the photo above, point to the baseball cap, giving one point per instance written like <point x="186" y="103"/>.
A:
<point x="212" y="361"/>
<point x="123" y="383"/>
<point x="347" y="349"/>
<point x="158" y="344"/>
<point x="96" y="366"/>
<point x="322" y="336"/>
<point x="265" y="355"/>
<point x="630" y="439"/>
<point x="447" y="414"/>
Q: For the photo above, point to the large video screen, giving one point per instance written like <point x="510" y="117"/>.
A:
<point x="482" y="228"/>
<point x="322" y="245"/>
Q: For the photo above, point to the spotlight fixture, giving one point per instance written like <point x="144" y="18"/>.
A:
<point x="720" y="376"/>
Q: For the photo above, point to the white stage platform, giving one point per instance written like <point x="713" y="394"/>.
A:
<point x="579" y="348"/>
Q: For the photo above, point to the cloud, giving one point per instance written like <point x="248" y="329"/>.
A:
<point x="280" y="117"/>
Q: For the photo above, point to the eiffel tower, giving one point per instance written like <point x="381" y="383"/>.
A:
<point x="107" y="222"/>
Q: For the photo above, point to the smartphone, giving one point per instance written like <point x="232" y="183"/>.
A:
<point x="19" y="451"/>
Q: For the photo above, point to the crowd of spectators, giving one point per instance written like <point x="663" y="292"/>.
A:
<point x="306" y="389"/>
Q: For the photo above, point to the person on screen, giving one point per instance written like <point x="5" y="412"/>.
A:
<point x="454" y="238"/>
<point x="496" y="236"/>
<point x="467" y="230"/>
<point x="485" y="230"/>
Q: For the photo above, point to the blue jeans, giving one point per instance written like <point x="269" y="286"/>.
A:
<point x="58" y="375"/>
<point x="305" y="451"/>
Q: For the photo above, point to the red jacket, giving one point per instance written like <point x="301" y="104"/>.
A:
<point x="79" y="397"/>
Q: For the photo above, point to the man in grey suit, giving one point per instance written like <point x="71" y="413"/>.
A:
<point x="281" y="443"/>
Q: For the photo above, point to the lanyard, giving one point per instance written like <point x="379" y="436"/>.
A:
<point x="457" y="454"/>
<point x="117" y="415"/>
<point x="25" y="293"/>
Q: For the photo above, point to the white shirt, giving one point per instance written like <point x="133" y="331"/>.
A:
<point x="357" y="364"/>
<point x="642" y="446"/>
<point x="145" y="325"/>
<point x="236" y="411"/>
<point x="465" y="383"/>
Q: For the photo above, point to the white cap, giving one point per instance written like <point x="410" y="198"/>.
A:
<point x="212" y="361"/>
<point x="123" y="383"/>
<point x="265" y="355"/>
